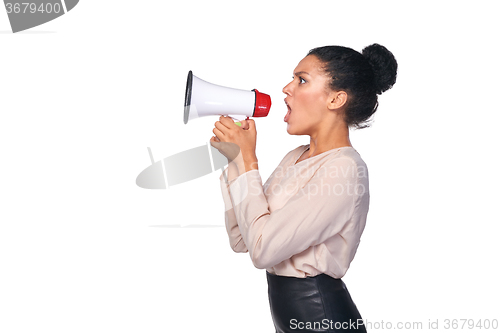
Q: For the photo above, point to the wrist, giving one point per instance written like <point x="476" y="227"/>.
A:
<point x="247" y="163"/>
<point x="251" y="164"/>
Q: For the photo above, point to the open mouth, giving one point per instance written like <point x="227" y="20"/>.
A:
<point x="287" y="116"/>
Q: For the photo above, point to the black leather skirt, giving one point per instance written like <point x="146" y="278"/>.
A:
<point x="312" y="304"/>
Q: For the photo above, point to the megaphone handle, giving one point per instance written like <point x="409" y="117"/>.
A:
<point x="238" y="121"/>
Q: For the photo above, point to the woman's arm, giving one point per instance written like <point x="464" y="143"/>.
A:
<point x="228" y="176"/>
<point x="233" y="231"/>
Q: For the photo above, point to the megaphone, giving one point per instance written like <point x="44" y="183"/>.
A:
<point x="207" y="99"/>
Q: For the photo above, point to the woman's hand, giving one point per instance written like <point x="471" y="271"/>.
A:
<point x="236" y="143"/>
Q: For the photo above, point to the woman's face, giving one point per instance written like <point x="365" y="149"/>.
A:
<point x="306" y="97"/>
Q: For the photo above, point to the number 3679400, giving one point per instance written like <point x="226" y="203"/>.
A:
<point x="32" y="8"/>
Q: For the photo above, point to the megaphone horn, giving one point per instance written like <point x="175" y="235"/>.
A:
<point x="206" y="99"/>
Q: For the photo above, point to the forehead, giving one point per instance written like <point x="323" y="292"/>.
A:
<point x="310" y="64"/>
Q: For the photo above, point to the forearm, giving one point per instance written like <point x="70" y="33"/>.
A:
<point x="249" y="165"/>
<point x="241" y="165"/>
<point x="232" y="171"/>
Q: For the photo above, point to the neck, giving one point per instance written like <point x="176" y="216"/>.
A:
<point x="332" y="137"/>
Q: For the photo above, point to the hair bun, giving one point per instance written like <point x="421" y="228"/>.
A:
<point x="384" y="66"/>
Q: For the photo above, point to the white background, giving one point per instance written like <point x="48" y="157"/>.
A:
<point x="83" y="249"/>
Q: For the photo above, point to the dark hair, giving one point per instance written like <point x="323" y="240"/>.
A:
<point x="362" y="76"/>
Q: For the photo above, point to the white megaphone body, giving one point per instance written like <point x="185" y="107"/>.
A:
<point x="207" y="99"/>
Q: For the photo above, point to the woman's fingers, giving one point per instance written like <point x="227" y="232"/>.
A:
<point x="226" y="121"/>
<point x="217" y="132"/>
<point x="244" y="124"/>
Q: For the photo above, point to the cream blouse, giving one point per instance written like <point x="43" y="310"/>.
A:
<point x="307" y="218"/>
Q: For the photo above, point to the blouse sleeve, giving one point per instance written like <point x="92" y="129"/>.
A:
<point x="232" y="228"/>
<point x="318" y="211"/>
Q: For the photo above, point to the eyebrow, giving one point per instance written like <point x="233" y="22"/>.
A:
<point x="300" y="73"/>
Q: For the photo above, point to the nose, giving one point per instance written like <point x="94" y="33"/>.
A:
<point x="287" y="90"/>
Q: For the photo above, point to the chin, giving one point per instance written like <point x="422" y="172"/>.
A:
<point x="291" y="131"/>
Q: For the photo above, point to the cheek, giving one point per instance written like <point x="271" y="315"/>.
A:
<point x="311" y="102"/>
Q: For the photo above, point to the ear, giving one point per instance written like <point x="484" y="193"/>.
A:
<point x="336" y="100"/>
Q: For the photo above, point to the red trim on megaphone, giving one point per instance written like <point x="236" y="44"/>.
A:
<point x="262" y="104"/>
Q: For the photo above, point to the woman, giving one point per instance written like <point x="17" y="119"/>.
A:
<point x="305" y="223"/>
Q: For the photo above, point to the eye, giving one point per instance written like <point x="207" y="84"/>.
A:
<point x="301" y="79"/>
